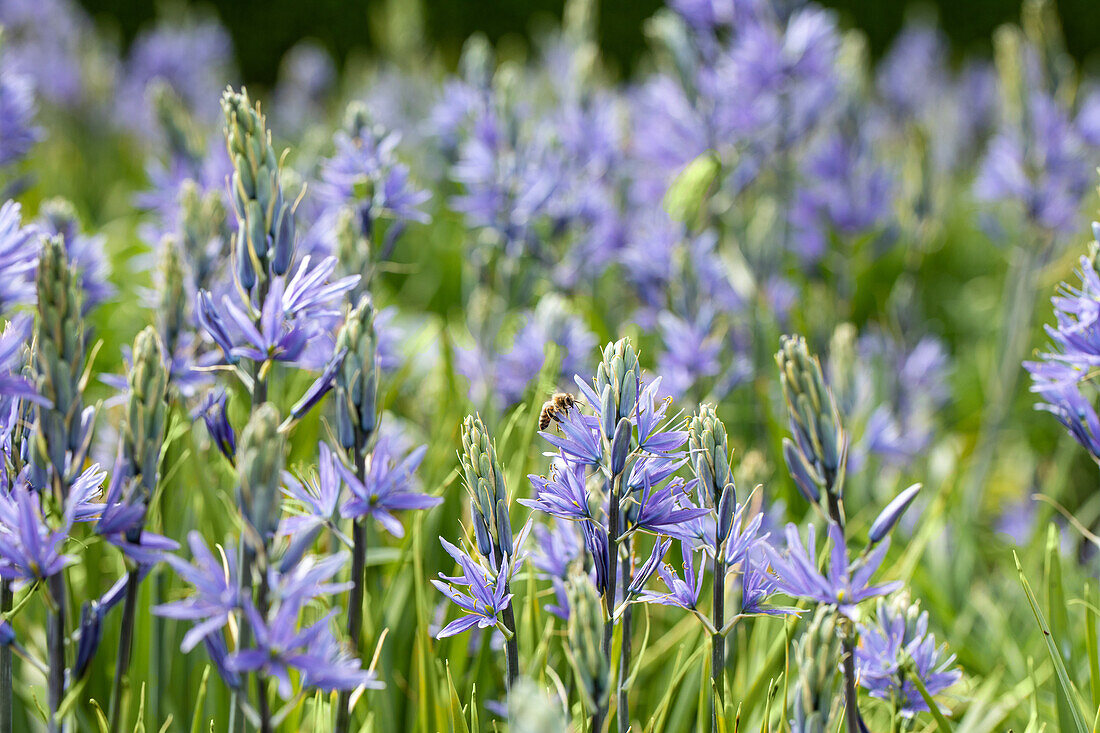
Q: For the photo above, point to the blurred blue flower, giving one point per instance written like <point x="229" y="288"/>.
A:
<point x="30" y="550"/>
<point x="18" y="258"/>
<point x="1041" y="168"/>
<point x="17" y="109"/>
<point x="898" y="636"/>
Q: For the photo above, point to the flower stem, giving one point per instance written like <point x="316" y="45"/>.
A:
<point x="5" y="666"/>
<point x="851" y="706"/>
<point x="718" y="642"/>
<point x="612" y="562"/>
<point x="358" y="588"/>
<point x="261" y="681"/>
<point x="511" y="645"/>
<point x="125" y="641"/>
<point x="624" y="650"/>
<point x="56" y="646"/>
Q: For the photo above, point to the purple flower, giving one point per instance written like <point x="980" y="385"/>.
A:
<point x="318" y="495"/>
<point x="122" y="520"/>
<point x="18" y="258"/>
<point x="844" y="192"/>
<point x="217" y="591"/>
<point x="213" y="412"/>
<point x="900" y="634"/>
<point x="488" y="589"/>
<point x="556" y="548"/>
<point x="563" y="495"/>
<point x="1061" y="377"/>
<point x="307" y="77"/>
<point x="681" y="592"/>
<point x="667" y="511"/>
<point x="650" y="566"/>
<point x="30" y="550"/>
<point x="57" y="217"/>
<point x="388" y="485"/>
<point x="281" y="646"/>
<point x="843" y="585"/>
<point x="13" y="385"/>
<point x="580" y="440"/>
<point x="364" y="173"/>
<point x="43" y="39"/>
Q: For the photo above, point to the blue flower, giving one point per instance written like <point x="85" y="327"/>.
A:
<point x="217" y="591"/>
<point x="683" y="593"/>
<point x="488" y="592"/>
<point x="17" y="108"/>
<point x="319" y="495"/>
<point x="30" y="550"/>
<point x="667" y="511"/>
<point x="388" y="485"/>
<point x="563" y="495"/>
<point x="843" y="585"/>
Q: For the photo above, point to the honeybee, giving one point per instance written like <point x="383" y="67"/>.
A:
<point x="555" y="408"/>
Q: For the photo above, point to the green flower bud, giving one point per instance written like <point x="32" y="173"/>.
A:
<point x="620" y="371"/>
<point x="485" y="482"/>
<point x="260" y="458"/>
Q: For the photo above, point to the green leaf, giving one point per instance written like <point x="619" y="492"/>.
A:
<point x="100" y="718"/>
<point x="1055" y="656"/>
<point x="685" y="197"/>
<point x="1058" y="618"/>
<point x="942" y="722"/>
<point x="200" y="701"/>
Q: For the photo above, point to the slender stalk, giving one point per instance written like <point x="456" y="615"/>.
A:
<point x="718" y="642"/>
<point x="56" y="647"/>
<point x="358" y="588"/>
<point x="511" y="645"/>
<point x="244" y="569"/>
<point x="5" y="666"/>
<point x="624" y="649"/>
<point x="851" y="708"/>
<point x="261" y="681"/>
<point x="612" y="562"/>
<point x="125" y="642"/>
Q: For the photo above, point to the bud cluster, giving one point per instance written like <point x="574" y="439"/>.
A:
<point x="815" y="458"/>
<point x="817" y="700"/>
<point x="356" y="381"/>
<point x="488" y="496"/>
<point x="260" y="457"/>
<point x="617" y="381"/>
<point x="143" y="428"/>
<point x="584" y="639"/>
<point x="265" y="220"/>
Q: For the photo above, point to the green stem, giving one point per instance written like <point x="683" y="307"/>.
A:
<point x="718" y="642"/>
<point x="5" y="667"/>
<point x="851" y="705"/>
<point x="612" y="563"/>
<point x="358" y="590"/>
<point x="125" y="642"/>
<point x="56" y="646"/>
<point x="624" y="649"/>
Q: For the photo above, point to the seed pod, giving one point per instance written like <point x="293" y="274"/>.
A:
<point x="890" y="515"/>
<point x="620" y="445"/>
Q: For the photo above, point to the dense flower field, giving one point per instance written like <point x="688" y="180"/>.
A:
<point x="532" y="397"/>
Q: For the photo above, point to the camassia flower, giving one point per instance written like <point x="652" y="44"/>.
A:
<point x="681" y="592"/>
<point x="843" y="584"/>
<point x="387" y="486"/>
<point x="487" y="594"/>
<point x="217" y="592"/>
<point x="896" y="647"/>
<point x="30" y="550"/>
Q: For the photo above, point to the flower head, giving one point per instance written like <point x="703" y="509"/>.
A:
<point x="388" y="485"/>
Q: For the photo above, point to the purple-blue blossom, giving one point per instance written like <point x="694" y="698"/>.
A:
<point x="389" y="485"/>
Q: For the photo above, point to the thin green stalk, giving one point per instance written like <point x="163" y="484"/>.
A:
<point x="851" y="704"/>
<point x="612" y="562"/>
<point x="56" y="647"/>
<point x="5" y="667"/>
<point x="511" y="645"/>
<point x="718" y="642"/>
<point x="125" y="642"/>
<point x="261" y="680"/>
<point x="358" y="589"/>
<point x="624" y="649"/>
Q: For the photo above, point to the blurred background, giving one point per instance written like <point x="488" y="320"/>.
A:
<point x="263" y="30"/>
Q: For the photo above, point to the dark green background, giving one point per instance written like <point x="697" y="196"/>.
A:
<point x="264" y="29"/>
